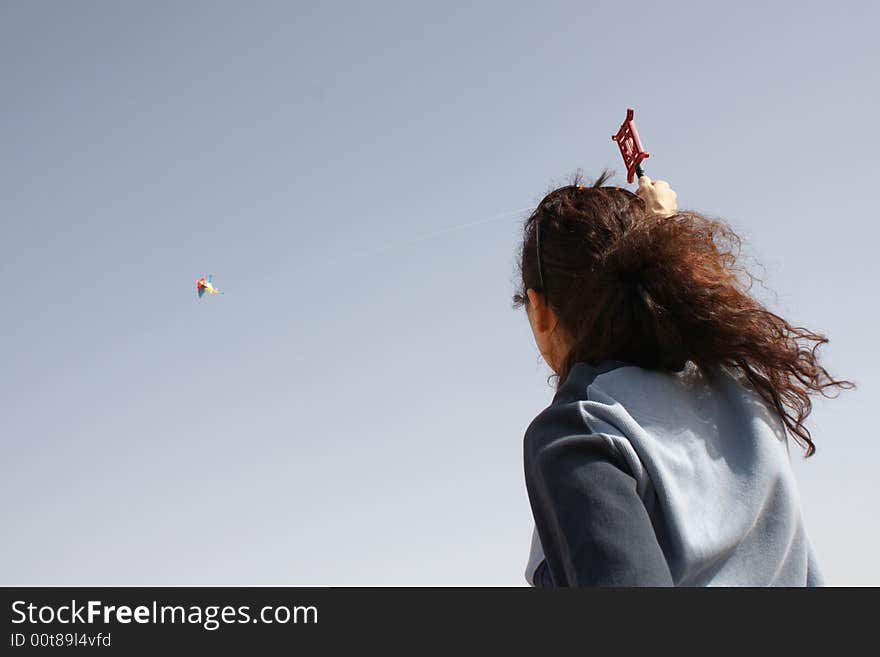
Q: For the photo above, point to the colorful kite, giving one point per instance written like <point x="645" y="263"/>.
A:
<point x="204" y="284"/>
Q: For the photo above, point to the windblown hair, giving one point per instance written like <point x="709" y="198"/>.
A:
<point x="658" y="292"/>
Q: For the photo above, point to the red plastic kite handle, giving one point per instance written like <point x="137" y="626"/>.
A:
<point x="627" y="139"/>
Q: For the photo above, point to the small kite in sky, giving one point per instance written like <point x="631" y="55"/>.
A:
<point x="204" y="284"/>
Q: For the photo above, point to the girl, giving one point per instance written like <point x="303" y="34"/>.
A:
<point x="663" y="458"/>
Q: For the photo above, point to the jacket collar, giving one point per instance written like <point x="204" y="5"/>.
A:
<point x="581" y="375"/>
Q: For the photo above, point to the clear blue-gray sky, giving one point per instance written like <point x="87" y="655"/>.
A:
<point x="351" y="410"/>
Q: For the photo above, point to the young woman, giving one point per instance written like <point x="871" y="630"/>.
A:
<point x="663" y="458"/>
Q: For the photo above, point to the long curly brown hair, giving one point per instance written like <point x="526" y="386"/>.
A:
<point x="658" y="292"/>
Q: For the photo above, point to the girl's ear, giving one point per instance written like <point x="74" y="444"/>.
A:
<point x="539" y="311"/>
<point x="534" y="297"/>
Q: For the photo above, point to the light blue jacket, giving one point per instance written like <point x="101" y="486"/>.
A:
<point x="710" y="463"/>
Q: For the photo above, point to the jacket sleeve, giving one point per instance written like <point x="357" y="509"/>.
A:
<point x="543" y="578"/>
<point x="593" y="526"/>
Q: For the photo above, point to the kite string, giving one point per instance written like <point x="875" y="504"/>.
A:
<point x="426" y="236"/>
<point x="443" y="231"/>
<point x="387" y="247"/>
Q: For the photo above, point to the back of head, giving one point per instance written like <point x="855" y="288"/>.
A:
<point x="658" y="292"/>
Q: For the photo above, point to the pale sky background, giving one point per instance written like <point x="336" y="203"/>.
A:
<point x="347" y="413"/>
